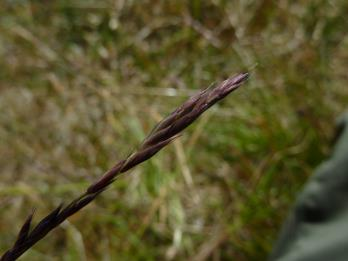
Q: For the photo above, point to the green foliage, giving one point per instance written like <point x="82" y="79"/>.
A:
<point x="82" y="82"/>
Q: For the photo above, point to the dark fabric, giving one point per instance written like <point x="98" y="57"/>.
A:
<point x="317" y="228"/>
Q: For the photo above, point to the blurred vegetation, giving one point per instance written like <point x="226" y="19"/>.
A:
<point x="82" y="82"/>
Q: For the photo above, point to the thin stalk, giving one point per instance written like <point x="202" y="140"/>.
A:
<point x="163" y="134"/>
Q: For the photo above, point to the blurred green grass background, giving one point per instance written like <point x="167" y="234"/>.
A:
<point x="82" y="82"/>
